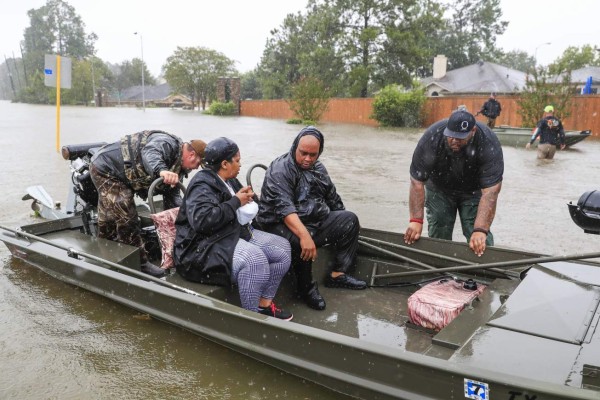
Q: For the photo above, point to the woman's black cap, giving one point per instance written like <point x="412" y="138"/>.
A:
<point x="218" y="150"/>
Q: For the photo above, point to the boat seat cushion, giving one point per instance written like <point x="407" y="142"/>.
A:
<point x="165" y="229"/>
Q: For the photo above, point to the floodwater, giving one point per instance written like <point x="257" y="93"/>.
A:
<point x="61" y="342"/>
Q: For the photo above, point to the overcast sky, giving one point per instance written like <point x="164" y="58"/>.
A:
<point x="240" y="28"/>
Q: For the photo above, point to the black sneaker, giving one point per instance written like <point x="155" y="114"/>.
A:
<point x="153" y="270"/>
<point x="345" y="281"/>
<point x="273" y="311"/>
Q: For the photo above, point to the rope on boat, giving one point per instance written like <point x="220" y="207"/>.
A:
<point x="73" y="253"/>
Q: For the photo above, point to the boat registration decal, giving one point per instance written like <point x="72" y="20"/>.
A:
<point x="476" y="390"/>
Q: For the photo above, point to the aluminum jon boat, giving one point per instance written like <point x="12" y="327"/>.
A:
<point x="519" y="137"/>
<point x="531" y="333"/>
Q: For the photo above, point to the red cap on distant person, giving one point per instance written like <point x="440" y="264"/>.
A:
<point x="460" y="124"/>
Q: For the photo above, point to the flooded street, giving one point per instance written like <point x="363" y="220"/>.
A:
<point x="58" y="341"/>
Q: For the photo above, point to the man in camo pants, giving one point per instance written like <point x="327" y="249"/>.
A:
<point x="123" y="169"/>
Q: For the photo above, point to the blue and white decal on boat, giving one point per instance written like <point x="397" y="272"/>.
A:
<point x="476" y="390"/>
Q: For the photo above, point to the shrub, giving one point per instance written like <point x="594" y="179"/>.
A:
<point x="310" y="99"/>
<point x="218" y="108"/>
<point x="394" y="108"/>
<point x="541" y="90"/>
<point x="294" y="121"/>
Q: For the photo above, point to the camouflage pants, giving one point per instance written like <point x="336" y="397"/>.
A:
<point x="117" y="215"/>
<point x="491" y="122"/>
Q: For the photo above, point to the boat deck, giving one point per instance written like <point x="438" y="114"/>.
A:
<point x="375" y="315"/>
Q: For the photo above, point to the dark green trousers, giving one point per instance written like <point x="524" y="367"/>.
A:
<point x="441" y="210"/>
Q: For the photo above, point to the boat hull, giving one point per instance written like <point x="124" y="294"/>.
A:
<point x="344" y="363"/>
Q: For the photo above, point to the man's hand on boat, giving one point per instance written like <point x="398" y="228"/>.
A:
<point x="169" y="178"/>
<point x="413" y="232"/>
<point x="477" y="243"/>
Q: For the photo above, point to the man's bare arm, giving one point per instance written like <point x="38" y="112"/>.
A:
<point x="416" y="207"/>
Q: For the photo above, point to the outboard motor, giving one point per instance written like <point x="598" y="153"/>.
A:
<point x="586" y="214"/>
<point x="80" y="156"/>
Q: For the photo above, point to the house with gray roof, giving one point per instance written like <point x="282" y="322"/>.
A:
<point x="580" y="77"/>
<point x="158" y="96"/>
<point x="481" y="78"/>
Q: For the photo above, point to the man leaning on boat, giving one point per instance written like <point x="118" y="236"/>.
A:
<point x="457" y="166"/>
<point x="299" y="202"/>
<point x="128" y="167"/>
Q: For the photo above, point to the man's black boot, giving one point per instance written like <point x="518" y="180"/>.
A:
<point x="151" y="269"/>
<point x="313" y="298"/>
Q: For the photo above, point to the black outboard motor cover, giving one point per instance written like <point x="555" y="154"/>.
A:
<point x="586" y="214"/>
<point x="73" y="151"/>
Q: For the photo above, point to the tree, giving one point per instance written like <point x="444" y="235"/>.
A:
<point x="575" y="58"/>
<point x="361" y="34"/>
<point x="87" y="75"/>
<point x="195" y="71"/>
<point x="541" y="90"/>
<point x="136" y="73"/>
<point x="128" y="74"/>
<point x="470" y="34"/>
<point x="280" y="62"/>
<point x="356" y="46"/>
<point x="310" y="98"/>
<point x="55" y="28"/>
<point x="410" y="46"/>
<point x="517" y="59"/>
<point x="250" y="86"/>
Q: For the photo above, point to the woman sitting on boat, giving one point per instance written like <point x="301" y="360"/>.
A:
<point x="215" y="242"/>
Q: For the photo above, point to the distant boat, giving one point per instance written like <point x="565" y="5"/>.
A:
<point x="519" y="137"/>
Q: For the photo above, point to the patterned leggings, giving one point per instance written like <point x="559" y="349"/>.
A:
<point x="258" y="267"/>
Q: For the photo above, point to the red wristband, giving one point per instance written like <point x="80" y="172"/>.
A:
<point x="481" y="230"/>
<point x="417" y="220"/>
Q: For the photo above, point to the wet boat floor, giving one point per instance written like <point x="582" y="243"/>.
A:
<point x="375" y="315"/>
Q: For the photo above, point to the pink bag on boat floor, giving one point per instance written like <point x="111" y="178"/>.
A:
<point x="436" y="304"/>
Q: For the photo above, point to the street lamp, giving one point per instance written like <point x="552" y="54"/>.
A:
<point x="536" y="49"/>
<point x="143" y="88"/>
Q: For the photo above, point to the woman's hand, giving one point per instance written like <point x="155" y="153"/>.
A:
<point x="245" y="195"/>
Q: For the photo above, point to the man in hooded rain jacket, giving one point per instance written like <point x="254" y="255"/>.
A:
<point x="299" y="202"/>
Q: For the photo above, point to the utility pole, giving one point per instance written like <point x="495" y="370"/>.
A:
<point x="12" y="84"/>
<point x="143" y="88"/>
<point x="93" y="84"/>
<point x="23" y="62"/>
<point x="17" y="70"/>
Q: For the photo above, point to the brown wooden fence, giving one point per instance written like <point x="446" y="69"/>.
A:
<point x="585" y="110"/>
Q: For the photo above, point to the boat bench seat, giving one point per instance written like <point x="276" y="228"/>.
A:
<point x="109" y="250"/>
<point x="460" y="330"/>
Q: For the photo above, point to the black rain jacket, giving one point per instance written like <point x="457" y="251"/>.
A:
<point x="288" y="189"/>
<point x="207" y="229"/>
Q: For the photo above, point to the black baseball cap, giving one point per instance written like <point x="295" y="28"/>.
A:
<point x="460" y="124"/>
